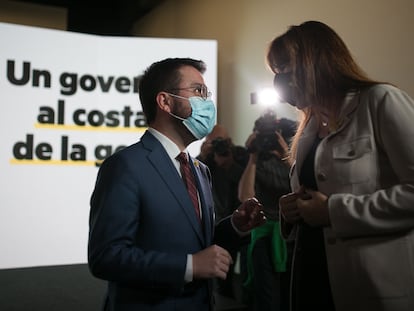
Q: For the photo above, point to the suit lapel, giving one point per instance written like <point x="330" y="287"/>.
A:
<point x="204" y="190"/>
<point x="163" y="165"/>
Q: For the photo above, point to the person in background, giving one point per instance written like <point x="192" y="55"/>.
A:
<point x="351" y="211"/>
<point x="226" y="163"/>
<point x="152" y="211"/>
<point x="266" y="177"/>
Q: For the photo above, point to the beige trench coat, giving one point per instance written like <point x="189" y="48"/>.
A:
<point x="367" y="169"/>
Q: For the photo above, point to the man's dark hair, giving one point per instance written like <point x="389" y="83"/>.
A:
<point x="162" y="76"/>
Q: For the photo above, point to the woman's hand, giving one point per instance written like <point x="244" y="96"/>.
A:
<point x="307" y="205"/>
<point x="313" y="208"/>
<point x="283" y="152"/>
<point x="289" y="209"/>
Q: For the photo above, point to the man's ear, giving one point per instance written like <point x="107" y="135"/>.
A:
<point x="164" y="101"/>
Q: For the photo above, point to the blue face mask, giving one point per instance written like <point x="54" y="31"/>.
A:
<point x="203" y="116"/>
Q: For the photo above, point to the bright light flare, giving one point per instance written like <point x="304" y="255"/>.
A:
<point x="268" y="97"/>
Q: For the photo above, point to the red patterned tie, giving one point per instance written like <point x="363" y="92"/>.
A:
<point x="189" y="181"/>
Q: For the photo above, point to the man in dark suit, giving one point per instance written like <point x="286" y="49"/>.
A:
<point x="158" y="250"/>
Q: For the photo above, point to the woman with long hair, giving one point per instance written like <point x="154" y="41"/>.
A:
<point x="351" y="211"/>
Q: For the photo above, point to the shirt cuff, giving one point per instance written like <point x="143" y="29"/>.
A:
<point x="240" y="233"/>
<point x="188" y="276"/>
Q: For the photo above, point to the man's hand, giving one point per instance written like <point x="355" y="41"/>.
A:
<point x="250" y="139"/>
<point x="211" y="262"/>
<point x="248" y="215"/>
<point x="283" y="152"/>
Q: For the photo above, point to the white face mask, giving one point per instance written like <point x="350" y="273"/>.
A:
<point x="203" y="116"/>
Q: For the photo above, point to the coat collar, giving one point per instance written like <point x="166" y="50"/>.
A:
<point x="349" y="106"/>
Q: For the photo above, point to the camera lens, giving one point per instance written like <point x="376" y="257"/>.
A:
<point x="221" y="146"/>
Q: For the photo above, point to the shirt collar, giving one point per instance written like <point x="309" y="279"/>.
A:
<point x="170" y="147"/>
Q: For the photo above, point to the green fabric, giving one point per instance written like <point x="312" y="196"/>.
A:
<point x="279" y="251"/>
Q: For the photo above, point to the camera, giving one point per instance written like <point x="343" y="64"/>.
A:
<point x="221" y="146"/>
<point x="266" y="127"/>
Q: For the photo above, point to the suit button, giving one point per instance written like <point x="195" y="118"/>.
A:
<point x="321" y="177"/>
<point x="351" y="153"/>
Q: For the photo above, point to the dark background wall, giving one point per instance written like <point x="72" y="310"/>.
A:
<point x="102" y="17"/>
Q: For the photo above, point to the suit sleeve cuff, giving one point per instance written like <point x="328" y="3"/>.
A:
<point x="188" y="276"/>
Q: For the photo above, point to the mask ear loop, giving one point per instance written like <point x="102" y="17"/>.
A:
<point x="174" y="115"/>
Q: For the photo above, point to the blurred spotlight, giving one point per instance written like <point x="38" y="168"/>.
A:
<point x="265" y="97"/>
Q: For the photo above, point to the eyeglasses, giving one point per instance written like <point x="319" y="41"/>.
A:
<point x="200" y="89"/>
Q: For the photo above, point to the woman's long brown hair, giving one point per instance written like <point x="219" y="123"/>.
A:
<point x="323" y="68"/>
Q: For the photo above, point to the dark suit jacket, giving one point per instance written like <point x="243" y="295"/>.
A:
<point x="143" y="225"/>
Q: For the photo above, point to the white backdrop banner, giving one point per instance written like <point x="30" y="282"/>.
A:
<point x="68" y="101"/>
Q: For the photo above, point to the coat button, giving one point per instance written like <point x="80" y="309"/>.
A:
<point x="321" y="176"/>
<point x="351" y="153"/>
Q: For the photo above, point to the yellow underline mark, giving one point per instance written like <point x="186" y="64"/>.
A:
<point x="89" y="128"/>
